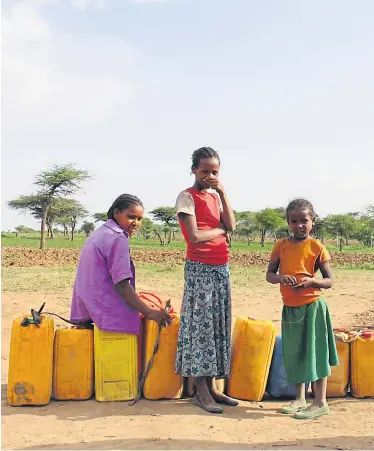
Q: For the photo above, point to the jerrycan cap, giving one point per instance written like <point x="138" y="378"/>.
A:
<point x="367" y="334"/>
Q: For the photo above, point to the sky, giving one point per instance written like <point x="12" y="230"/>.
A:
<point x="128" y="89"/>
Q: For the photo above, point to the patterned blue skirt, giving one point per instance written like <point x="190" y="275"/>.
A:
<point x="204" y="340"/>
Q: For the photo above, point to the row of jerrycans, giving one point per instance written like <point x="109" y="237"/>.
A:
<point x="64" y="362"/>
<point x="69" y="363"/>
<point x="356" y="365"/>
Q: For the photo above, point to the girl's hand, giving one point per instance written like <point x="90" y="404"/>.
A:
<point x="216" y="184"/>
<point x="289" y="281"/>
<point x="158" y="316"/>
<point x="306" y="282"/>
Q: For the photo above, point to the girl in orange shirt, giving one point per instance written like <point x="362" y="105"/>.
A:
<point x="309" y="348"/>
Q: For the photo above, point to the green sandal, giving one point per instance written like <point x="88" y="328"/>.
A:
<point x="293" y="409"/>
<point x="310" y="415"/>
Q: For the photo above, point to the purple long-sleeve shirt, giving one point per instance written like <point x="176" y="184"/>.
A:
<point x="105" y="261"/>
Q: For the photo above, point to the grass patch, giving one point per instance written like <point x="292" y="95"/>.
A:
<point x="32" y="240"/>
<point x="19" y="280"/>
<point x="364" y="267"/>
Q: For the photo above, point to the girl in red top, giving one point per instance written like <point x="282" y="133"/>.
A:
<point x="204" y="340"/>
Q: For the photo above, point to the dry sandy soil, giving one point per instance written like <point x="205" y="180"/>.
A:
<point x="179" y="424"/>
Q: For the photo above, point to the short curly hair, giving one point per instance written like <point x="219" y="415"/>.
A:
<point x="302" y="204"/>
<point x="203" y="152"/>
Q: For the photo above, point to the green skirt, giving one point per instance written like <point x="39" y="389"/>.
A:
<point x="309" y="349"/>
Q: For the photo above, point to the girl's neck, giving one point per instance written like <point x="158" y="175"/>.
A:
<point x="198" y="187"/>
<point x="298" y="240"/>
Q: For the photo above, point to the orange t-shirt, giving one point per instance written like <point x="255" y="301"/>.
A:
<point x="299" y="260"/>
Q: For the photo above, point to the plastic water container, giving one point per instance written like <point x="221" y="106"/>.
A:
<point x="362" y="366"/>
<point x="116" y="366"/>
<point x="277" y="384"/>
<point x="252" y="350"/>
<point x="162" y="382"/>
<point x="73" y="364"/>
<point x="30" y="362"/>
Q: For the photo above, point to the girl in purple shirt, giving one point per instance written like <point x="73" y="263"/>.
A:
<point x="104" y="288"/>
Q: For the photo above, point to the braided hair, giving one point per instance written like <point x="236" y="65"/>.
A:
<point x="203" y="152"/>
<point x="302" y="204"/>
<point x="122" y="203"/>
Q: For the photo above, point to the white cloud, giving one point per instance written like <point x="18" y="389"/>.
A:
<point x="52" y="78"/>
<point x="152" y="1"/>
<point x="84" y="4"/>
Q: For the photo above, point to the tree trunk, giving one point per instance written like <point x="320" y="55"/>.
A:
<point x="346" y="241"/>
<point x="262" y="238"/>
<point x="72" y="232"/>
<point x="341" y="243"/>
<point x="43" y="227"/>
<point x="337" y="240"/>
<point x="162" y="242"/>
<point x="169" y="238"/>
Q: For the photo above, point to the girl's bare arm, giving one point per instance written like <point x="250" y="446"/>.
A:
<point x="227" y="215"/>
<point x="194" y="234"/>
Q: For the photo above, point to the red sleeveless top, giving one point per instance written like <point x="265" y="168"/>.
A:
<point x="207" y="212"/>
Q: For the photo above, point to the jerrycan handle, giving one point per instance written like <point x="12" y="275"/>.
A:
<point x="36" y="317"/>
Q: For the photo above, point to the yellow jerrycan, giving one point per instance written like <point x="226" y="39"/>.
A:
<point x="30" y="360"/>
<point x="116" y="366"/>
<point x="252" y="350"/>
<point x="362" y="365"/>
<point x="73" y="360"/>
<point x="338" y="381"/>
<point x="162" y="382"/>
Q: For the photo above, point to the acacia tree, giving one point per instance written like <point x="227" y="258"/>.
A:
<point x="268" y="220"/>
<point x="87" y="228"/>
<point x="146" y="228"/>
<point x="246" y="226"/>
<point x="167" y="216"/>
<point x="70" y="212"/>
<point x="342" y="226"/>
<point x="100" y="217"/>
<point x="57" y="182"/>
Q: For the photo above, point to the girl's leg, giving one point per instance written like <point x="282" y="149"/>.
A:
<point x="320" y="395"/>
<point x="204" y="398"/>
<point x="300" y="393"/>
<point x="217" y="395"/>
<point x="319" y="406"/>
<point x="299" y="403"/>
<point x="321" y="388"/>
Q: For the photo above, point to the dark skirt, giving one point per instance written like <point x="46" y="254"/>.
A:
<point x="204" y="340"/>
<point x="309" y="349"/>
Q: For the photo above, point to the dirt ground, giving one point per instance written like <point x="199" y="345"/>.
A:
<point x="179" y="424"/>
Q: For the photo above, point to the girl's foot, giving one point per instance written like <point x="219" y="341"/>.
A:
<point x="295" y="406"/>
<point x="207" y="403"/>
<point x="223" y="399"/>
<point x="313" y="411"/>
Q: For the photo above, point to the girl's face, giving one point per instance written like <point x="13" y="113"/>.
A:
<point x="207" y="170"/>
<point x="301" y="222"/>
<point x="130" y="218"/>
